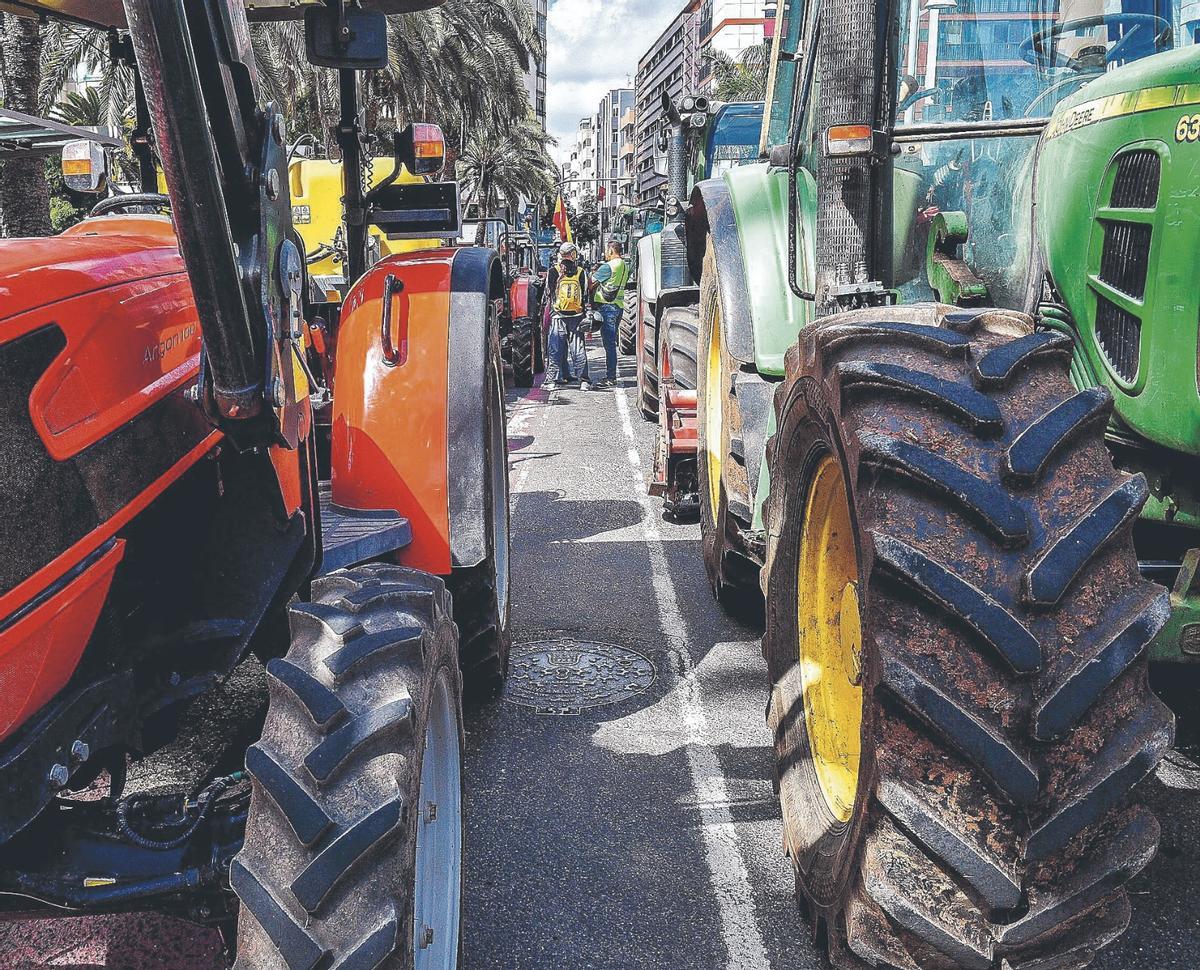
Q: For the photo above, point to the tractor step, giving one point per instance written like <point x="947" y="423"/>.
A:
<point x="351" y="537"/>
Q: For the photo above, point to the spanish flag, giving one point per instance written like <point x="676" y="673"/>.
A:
<point x="561" y="222"/>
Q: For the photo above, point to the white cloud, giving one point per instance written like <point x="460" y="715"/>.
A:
<point x="594" y="45"/>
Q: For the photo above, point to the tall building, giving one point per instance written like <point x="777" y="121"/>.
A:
<point x="609" y="118"/>
<point x="671" y="66"/>
<point x="535" y="77"/>
<point x="580" y="168"/>
<point x="731" y="26"/>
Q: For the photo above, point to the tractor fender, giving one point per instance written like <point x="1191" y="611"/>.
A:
<point x="476" y="281"/>
<point x="410" y="435"/>
<point x="745" y="210"/>
<point x="710" y="214"/>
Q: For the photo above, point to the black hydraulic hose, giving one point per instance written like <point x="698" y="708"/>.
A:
<point x="207" y="800"/>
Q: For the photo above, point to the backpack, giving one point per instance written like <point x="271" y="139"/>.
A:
<point x="568" y="297"/>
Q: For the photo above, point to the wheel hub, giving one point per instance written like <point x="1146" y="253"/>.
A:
<point x="829" y="627"/>
<point x="712" y="416"/>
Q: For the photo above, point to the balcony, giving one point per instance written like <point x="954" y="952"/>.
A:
<point x="628" y="118"/>
<point x="628" y="150"/>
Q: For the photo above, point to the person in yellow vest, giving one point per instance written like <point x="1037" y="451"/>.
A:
<point x="609" y="298"/>
<point x="567" y="287"/>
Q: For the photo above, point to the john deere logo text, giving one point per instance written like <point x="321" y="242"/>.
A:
<point x="160" y="350"/>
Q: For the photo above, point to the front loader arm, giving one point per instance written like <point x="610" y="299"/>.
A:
<point x="226" y="169"/>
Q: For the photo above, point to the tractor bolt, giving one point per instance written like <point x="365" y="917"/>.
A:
<point x="80" y="751"/>
<point x="192" y="394"/>
<point x="278" y="397"/>
<point x="273" y="184"/>
<point x="430" y="812"/>
<point x="59" y="776"/>
<point x="426" y="936"/>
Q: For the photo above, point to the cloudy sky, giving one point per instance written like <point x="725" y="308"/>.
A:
<point x="594" y="45"/>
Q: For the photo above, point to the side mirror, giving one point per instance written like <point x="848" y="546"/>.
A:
<point x="346" y="38"/>
<point x="421" y="148"/>
<point x="84" y="166"/>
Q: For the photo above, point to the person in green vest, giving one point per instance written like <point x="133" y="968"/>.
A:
<point x="609" y="300"/>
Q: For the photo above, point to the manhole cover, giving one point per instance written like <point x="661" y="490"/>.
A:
<point x="568" y="676"/>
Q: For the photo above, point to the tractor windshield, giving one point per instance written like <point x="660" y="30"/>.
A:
<point x="733" y="139"/>
<point x="984" y="60"/>
<point x="971" y="72"/>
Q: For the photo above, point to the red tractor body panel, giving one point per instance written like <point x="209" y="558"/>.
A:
<point x="98" y="330"/>
<point x="519" y="297"/>
<point x="390" y="443"/>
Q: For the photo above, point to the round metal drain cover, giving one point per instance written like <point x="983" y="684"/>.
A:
<point x="569" y="676"/>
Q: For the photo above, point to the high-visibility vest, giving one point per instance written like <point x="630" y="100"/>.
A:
<point x="568" y="297"/>
<point x="612" y="290"/>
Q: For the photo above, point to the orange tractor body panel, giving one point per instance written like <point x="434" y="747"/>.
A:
<point x="116" y="290"/>
<point x="41" y="649"/>
<point x="390" y="421"/>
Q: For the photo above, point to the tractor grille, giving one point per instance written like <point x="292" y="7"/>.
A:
<point x="1136" y="183"/>
<point x="1119" y="333"/>
<point x="1126" y="257"/>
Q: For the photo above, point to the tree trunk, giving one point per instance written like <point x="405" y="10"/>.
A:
<point x="24" y="197"/>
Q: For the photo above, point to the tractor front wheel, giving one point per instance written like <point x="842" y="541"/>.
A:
<point x="526" y="351"/>
<point x="723" y="481"/>
<point x="955" y="635"/>
<point x="353" y="849"/>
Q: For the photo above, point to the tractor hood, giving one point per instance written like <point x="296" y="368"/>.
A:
<point x="1119" y="225"/>
<point x="96" y="254"/>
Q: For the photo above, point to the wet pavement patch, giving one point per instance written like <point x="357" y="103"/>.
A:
<point x="567" y="677"/>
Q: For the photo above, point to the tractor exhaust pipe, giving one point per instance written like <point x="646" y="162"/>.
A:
<point x="674" y="265"/>
<point x="676" y="150"/>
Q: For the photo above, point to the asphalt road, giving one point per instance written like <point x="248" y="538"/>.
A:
<point x="643" y="833"/>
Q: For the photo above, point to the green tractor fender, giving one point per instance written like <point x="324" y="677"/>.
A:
<point x="744" y="214"/>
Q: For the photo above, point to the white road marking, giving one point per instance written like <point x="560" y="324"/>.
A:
<point x="727" y="869"/>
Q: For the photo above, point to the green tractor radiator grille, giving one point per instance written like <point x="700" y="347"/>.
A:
<point x="1125" y="259"/>
<point x="1119" y="333"/>
<point x="1136" y="183"/>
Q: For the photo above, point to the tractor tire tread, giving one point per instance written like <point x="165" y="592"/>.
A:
<point x="1013" y="725"/>
<point x="325" y="873"/>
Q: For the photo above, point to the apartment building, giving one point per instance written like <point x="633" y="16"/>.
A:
<point x="580" y="167"/>
<point x="609" y="122"/>
<point x="671" y="66"/>
<point x="535" y="77"/>
<point x="731" y="26"/>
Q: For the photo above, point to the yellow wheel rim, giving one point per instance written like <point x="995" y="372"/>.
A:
<point x="712" y="415"/>
<point x="830" y="639"/>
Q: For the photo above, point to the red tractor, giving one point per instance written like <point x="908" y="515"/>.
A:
<point x="521" y="315"/>
<point x="166" y="517"/>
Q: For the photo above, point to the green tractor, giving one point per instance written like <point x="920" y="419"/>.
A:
<point x="700" y="140"/>
<point x="949" y="423"/>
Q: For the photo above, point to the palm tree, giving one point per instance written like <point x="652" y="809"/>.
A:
<point x="24" y="196"/>
<point x="744" y="79"/>
<point x="502" y="165"/>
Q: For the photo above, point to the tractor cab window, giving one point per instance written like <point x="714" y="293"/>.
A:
<point x="966" y="64"/>
<point x="733" y="140"/>
<point x="984" y="60"/>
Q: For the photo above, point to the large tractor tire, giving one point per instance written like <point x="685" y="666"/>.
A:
<point x="680" y="328"/>
<point x="955" y="634"/>
<point x="526" y="351"/>
<point x="724" y="486"/>
<point x="353" y="851"/>
<point x="627" y="331"/>
<point x="647" y="369"/>
<point x="481" y="592"/>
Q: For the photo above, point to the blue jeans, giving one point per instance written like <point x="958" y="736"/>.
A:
<point x="610" y="314"/>
<point x="566" y="355"/>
